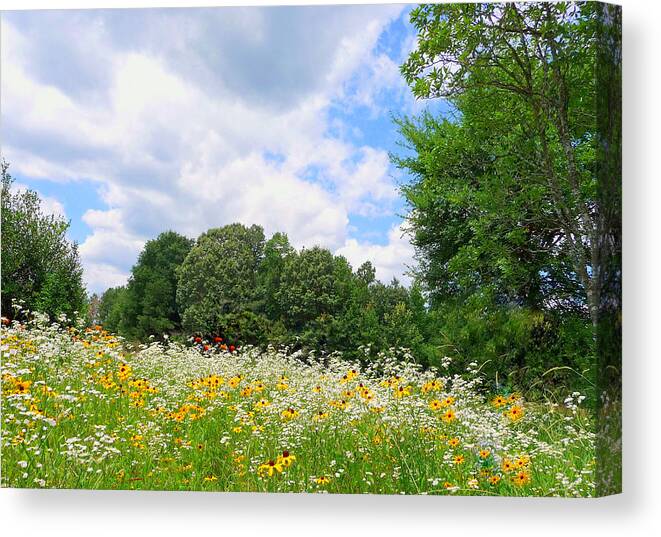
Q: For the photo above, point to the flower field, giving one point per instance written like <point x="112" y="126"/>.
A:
<point x="81" y="411"/>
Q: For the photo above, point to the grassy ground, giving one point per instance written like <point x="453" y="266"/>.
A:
<point x="78" y="411"/>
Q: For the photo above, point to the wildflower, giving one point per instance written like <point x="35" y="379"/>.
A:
<point x="494" y="480"/>
<point x="262" y="403"/>
<point x="484" y="453"/>
<point x="507" y="465"/>
<point x="435" y="405"/>
<point x="322" y="480"/>
<point x="521" y="478"/>
<point x="499" y="401"/>
<point x="448" y="416"/>
<point x="515" y="413"/>
<point x="321" y="415"/>
<point x="458" y="459"/>
<point x="522" y="461"/>
<point x="211" y="477"/>
<point x="286" y="459"/>
<point x="289" y="414"/>
<point x="453" y="442"/>
<point x="473" y="483"/>
<point x="402" y="391"/>
<point x="270" y="468"/>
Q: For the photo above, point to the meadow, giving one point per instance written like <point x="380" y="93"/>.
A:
<point x="81" y="409"/>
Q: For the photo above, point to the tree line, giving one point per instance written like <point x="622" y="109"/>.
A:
<point x="233" y="283"/>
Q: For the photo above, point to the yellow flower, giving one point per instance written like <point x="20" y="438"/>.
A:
<point x="235" y="381"/>
<point x="322" y="480"/>
<point x="453" y="442"/>
<point x="522" y="461"/>
<point x="515" y="413"/>
<point x="401" y="391"/>
<point x="211" y="478"/>
<point x="289" y="414"/>
<point x="507" y="465"/>
<point x="499" y="401"/>
<point x="484" y="453"/>
<point x="237" y="429"/>
<point x="448" y="415"/>
<point x="286" y="459"/>
<point x="435" y="405"/>
<point x="321" y="415"/>
<point x="521" y="478"/>
<point x="262" y="403"/>
<point x="269" y="468"/>
<point x="432" y="386"/>
<point x="494" y="480"/>
<point x="459" y="459"/>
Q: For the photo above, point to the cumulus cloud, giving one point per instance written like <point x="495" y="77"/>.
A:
<point x="391" y="260"/>
<point x="190" y="119"/>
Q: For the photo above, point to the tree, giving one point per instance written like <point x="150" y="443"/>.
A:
<point x="219" y="276"/>
<point x="313" y="283"/>
<point x="533" y="62"/>
<point x="151" y="307"/>
<point x="276" y="250"/>
<point x="40" y="267"/>
<point x="112" y="307"/>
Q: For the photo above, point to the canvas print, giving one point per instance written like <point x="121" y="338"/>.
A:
<point x="325" y="249"/>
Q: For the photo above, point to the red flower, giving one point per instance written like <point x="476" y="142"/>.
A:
<point x="206" y="347"/>
<point x="217" y="339"/>
<point x="232" y="348"/>
<point x="198" y="340"/>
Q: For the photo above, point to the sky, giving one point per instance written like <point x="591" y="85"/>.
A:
<point x="132" y="122"/>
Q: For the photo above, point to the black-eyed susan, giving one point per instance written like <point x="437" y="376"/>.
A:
<point x="322" y="480"/>
<point x="286" y="459"/>
<point x="289" y="413"/>
<point x="435" y="405"/>
<point x="270" y="468"/>
<point x="507" y="465"/>
<point x="454" y="442"/>
<point x="448" y="415"/>
<point x="515" y="413"/>
<point x="499" y="401"/>
<point x="458" y="459"/>
<point x="522" y="477"/>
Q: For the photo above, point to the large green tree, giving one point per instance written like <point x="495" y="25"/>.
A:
<point x="40" y="266"/>
<point x="512" y="178"/>
<point x="150" y="305"/>
<point x="219" y="276"/>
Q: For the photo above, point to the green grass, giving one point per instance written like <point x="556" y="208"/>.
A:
<point x="70" y="421"/>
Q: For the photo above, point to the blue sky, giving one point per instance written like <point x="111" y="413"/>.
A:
<point x="133" y="122"/>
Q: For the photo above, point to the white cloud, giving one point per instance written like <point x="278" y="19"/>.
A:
<point x="391" y="260"/>
<point x="176" y="123"/>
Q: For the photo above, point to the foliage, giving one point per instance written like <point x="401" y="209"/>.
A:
<point x="504" y="206"/>
<point x="150" y="302"/>
<point x="219" y="276"/>
<point x="40" y="268"/>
